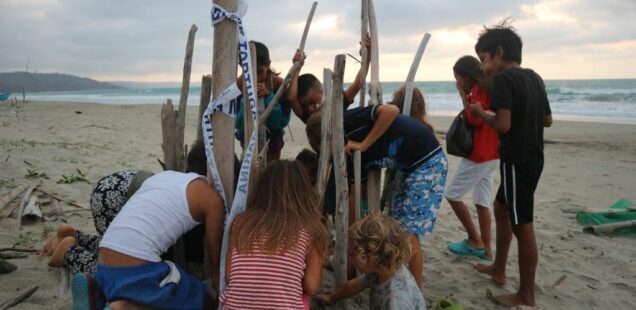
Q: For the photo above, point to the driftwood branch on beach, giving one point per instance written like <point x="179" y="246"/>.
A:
<point x="606" y="229"/>
<point x="6" y="206"/>
<point x="340" y="170"/>
<point x="18" y="299"/>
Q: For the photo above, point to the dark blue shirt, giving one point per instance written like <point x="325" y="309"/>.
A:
<point x="407" y="141"/>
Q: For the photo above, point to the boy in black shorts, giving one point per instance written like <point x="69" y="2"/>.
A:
<point x="520" y="111"/>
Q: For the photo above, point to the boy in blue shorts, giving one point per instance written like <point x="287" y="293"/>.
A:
<point x="521" y="110"/>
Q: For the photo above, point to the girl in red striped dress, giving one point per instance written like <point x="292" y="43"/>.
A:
<point x="278" y="245"/>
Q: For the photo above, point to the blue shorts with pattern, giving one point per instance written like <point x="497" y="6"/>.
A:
<point x="418" y="195"/>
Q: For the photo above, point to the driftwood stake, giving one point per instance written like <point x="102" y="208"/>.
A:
<point x="294" y="69"/>
<point x="364" y="55"/>
<point x="373" y="177"/>
<point x="206" y="91"/>
<point x="408" y="92"/>
<point x="183" y="100"/>
<point x="20" y="298"/>
<point x="325" y="133"/>
<point x="340" y="169"/>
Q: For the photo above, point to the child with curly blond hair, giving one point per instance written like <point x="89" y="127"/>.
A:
<point x="378" y="249"/>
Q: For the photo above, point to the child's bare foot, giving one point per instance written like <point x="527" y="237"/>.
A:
<point x="510" y="300"/>
<point x="63" y="231"/>
<point x="57" y="257"/>
<point x="500" y="279"/>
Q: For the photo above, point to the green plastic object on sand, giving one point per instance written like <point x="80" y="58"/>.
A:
<point x="599" y="218"/>
<point x="446" y="305"/>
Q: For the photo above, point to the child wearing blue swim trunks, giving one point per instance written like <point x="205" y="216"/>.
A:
<point x="130" y="270"/>
<point x="390" y="140"/>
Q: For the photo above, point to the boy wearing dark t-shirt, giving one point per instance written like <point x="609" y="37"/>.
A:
<point x="521" y="110"/>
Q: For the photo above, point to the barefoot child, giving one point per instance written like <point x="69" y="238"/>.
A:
<point x="478" y="170"/>
<point x="130" y="271"/>
<point x="521" y="110"/>
<point x="77" y="250"/>
<point x="389" y="140"/>
<point x="278" y="245"/>
<point x="378" y="249"/>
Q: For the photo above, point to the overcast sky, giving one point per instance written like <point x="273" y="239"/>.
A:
<point x="144" y="40"/>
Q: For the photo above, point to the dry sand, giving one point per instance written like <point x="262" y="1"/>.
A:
<point x="587" y="165"/>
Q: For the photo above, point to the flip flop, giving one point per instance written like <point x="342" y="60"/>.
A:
<point x="463" y="249"/>
<point x="446" y="305"/>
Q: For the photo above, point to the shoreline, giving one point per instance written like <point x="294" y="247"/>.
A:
<point x="441" y="113"/>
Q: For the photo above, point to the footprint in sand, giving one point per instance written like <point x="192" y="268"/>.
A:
<point x="625" y="287"/>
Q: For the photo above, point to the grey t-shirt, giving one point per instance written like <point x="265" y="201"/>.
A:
<point x="400" y="292"/>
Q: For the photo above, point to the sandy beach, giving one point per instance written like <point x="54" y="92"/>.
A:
<point x="588" y="165"/>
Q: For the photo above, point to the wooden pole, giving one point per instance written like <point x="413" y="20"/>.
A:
<point x="223" y="74"/>
<point x="357" y="156"/>
<point x="608" y="228"/>
<point x="183" y="100"/>
<point x="168" y="132"/>
<point x="24" y="201"/>
<point x="295" y="68"/>
<point x="340" y="169"/>
<point x="325" y="131"/>
<point x="363" y="32"/>
<point x="408" y="92"/>
<point x="206" y="91"/>
<point x="373" y="177"/>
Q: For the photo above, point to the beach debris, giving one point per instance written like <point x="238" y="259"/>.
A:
<point x="18" y="299"/>
<point x="6" y="199"/>
<point x="56" y="196"/>
<point x="78" y="112"/>
<point x="13" y="255"/>
<point x="32" y="174"/>
<point x="22" y="250"/>
<point x="68" y="179"/>
<point x="28" y="163"/>
<point x="6" y="267"/>
<point x="608" y="229"/>
<point x="25" y="200"/>
<point x="558" y="282"/>
<point x="32" y="208"/>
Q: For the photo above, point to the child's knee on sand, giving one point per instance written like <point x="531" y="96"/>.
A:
<point x="57" y="256"/>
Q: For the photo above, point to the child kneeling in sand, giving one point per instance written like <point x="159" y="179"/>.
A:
<point x="278" y="245"/>
<point x="130" y="271"/>
<point x="378" y="248"/>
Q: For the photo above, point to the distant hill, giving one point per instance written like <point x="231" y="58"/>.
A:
<point x="39" y="82"/>
<point x="147" y="85"/>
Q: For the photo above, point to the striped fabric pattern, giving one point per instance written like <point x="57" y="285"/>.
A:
<point x="267" y="281"/>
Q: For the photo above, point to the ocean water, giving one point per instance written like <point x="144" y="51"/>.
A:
<point x="610" y="100"/>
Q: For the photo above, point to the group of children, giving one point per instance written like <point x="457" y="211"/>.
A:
<point x="280" y="244"/>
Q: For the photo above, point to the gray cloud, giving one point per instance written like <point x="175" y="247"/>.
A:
<point x="146" y="39"/>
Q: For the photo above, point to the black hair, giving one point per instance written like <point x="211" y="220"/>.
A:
<point x="501" y="35"/>
<point x="262" y="54"/>
<point x="197" y="161"/>
<point x="470" y="67"/>
<point x="309" y="159"/>
<point x="307" y="82"/>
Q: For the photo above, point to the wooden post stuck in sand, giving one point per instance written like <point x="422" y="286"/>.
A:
<point x="408" y="92"/>
<point x="373" y="177"/>
<point x="206" y="92"/>
<point x="340" y="170"/>
<point x="293" y="71"/>
<point x="224" y="68"/>
<point x="324" y="167"/>
<point x="363" y="51"/>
